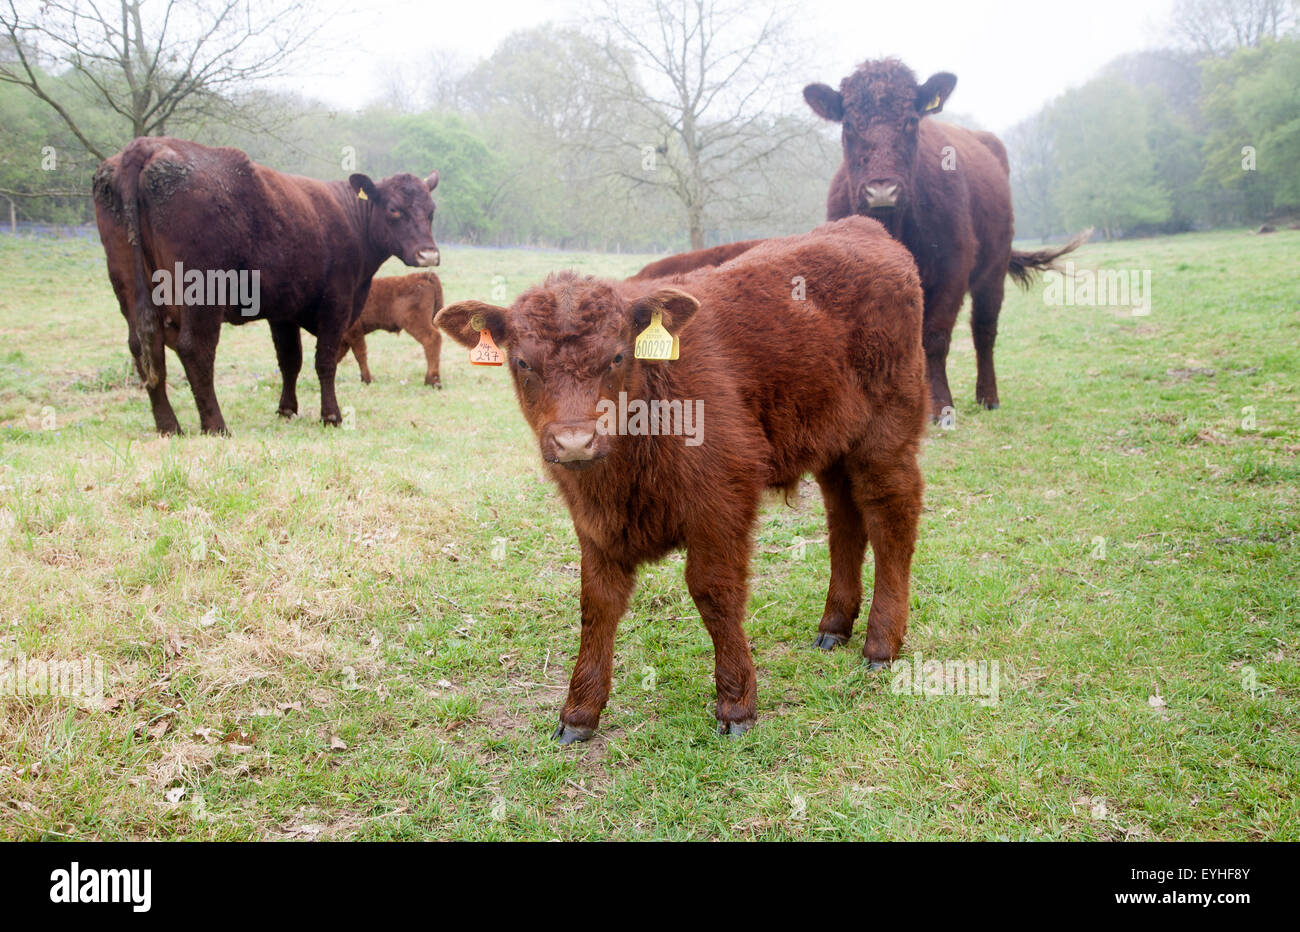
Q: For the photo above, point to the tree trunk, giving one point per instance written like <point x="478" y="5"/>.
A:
<point x="13" y="216"/>
<point x="695" y="221"/>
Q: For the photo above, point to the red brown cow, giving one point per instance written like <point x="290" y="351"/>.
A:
<point x="782" y="378"/>
<point x="943" y="192"/>
<point x="397" y="303"/>
<point x="196" y="235"/>
<point x="698" y="259"/>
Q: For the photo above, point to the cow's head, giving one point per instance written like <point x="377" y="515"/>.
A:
<point x="569" y="344"/>
<point x="400" y="216"/>
<point x="881" y="107"/>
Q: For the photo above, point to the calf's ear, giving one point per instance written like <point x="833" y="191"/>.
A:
<point x="931" y="95"/>
<point x="461" y="322"/>
<point x="363" y="185"/>
<point x="676" y="308"/>
<point x="826" y="102"/>
<point x="432" y="181"/>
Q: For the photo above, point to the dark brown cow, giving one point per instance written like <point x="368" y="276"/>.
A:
<point x="943" y="192"/>
<point x="829" y="381"/>
<point x="397" y="303"/>
<point x="698" y="259"/>
<point x="307" y="248"/>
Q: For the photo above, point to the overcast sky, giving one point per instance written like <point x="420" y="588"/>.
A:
<point x="1010" y="56"/>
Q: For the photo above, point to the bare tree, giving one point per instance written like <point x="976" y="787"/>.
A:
<point x="1217" y="27"/>
<point x="704" y="78"/>
<point x="150" y="63"/>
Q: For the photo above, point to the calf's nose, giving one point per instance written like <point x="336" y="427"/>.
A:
<point x="574" y="444"/>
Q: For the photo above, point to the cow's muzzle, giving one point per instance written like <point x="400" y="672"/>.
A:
<point x="573" y="446"/>
<point x="428" y="257"/>
<point x="881" y="194"/>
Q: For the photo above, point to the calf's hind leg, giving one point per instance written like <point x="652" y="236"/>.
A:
<point x="848" y="546"/>
<point x="889" y="495"/>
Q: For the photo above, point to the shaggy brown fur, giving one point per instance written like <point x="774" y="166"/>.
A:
<point x="397" y="303"/>
<point x="315" y="245"/>
<point x="829" y="379"/>
<point x="951" y="204"/>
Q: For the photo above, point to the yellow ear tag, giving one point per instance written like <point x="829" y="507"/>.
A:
<point x="361" y="196"/>
<point x="486" y="353"/>
<point x="655" y="342"/>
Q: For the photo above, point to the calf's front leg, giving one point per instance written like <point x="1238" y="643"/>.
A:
<point x="716" y="576"/>
<point x="606" y="588"/>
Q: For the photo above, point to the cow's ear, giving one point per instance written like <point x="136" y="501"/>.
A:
<point x="364" y="187"/>
<point x="432" y="181"/>
<point x="463" y="320"/>
<point x="676" y="309"/>
<point x="931" y="95"/>
<point x="826" y="102"/>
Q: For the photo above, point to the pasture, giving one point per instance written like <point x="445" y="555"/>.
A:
<point x="366" y="633"/>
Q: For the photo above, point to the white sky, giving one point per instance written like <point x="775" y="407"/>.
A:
<point x="1010" y="56"/>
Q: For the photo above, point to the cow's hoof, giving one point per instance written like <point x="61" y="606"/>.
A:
<point x="568" y="734"/>
<point x="874" y="665"/>
<point x="332" y="420"/>
<point x="989" y="405"/>
<point x="287" y="412"/>
<point x="366" y="381"/>
<point x="827" y="641"/>
<point x="735" y="729"/>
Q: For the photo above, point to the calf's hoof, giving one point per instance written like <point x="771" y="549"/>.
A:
<point x="735" y="729"/>
<point x="874" y="665"/>
<point x="434" y="382"/>
<point x="366" y="380"/>
<point x="827" y="641"/>
<point x="568" y="734"/>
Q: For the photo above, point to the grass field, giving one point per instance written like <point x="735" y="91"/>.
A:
<point x="366" y="633"/>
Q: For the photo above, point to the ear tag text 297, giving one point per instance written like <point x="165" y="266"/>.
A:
<point x="486" y="353"/>
<point x="655" y="342"/>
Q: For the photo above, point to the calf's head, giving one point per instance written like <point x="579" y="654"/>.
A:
<point x="569" y="345"/>
<point x="881" y="107"/>
<point x="399" y="220"/>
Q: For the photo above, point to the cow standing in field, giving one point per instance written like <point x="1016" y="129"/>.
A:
<point x="397" y="303"/>
<point x="943" y="192"/>
<point x="246" y="243"/>
<point x="828" y="380"/>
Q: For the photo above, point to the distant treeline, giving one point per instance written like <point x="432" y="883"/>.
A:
<point x="530" y="154"/>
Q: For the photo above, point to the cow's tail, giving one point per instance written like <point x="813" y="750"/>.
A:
<point x="148" y="316"/>
<point x="1025" y="264"/>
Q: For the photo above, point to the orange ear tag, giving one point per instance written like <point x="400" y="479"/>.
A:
<point x="486" y="353"/>
<point x="655" y="342"/>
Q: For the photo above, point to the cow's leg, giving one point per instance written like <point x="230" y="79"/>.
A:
<point x="430" y="337"/>
<point x="941" y="308"/>
<point x="717" y="567"/>
<point x="848" y="546"/>
<point x="164" y="417"/>
<point x="986" y="305"/>
<point x="606" y="589"/>
<point x="288" y="354"/>
<point x="327" y="359"/>
<point x="196" y="345"/>
<point x="889" y="494"/>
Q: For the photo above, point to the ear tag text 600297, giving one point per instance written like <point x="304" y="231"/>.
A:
<point x="487" y="353"/>
<point x="655" y="342"/>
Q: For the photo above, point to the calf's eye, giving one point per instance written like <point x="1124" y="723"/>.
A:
<point x="617" y="359"/>
<point x="522" y="364"/>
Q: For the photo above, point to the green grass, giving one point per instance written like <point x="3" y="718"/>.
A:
<point x="261" y="598"/>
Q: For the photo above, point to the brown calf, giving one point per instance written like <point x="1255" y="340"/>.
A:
<point x="802" y="356"/>
<point x="397" y="303"/>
